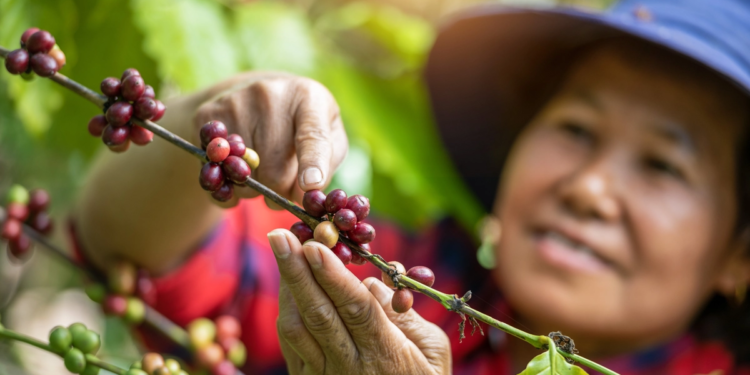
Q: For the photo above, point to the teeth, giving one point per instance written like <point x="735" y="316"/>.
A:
<point x="568" y="242"/>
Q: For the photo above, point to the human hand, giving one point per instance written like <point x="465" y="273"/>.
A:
<point x="293" y="123"/>
<point x="331" y="323"/>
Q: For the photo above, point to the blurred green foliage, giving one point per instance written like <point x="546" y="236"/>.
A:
<point x="368" y="53"/>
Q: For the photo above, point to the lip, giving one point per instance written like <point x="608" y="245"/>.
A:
<point x="565" y="248"/>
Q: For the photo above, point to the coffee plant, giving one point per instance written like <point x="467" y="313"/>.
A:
<point x="333" y="219"/>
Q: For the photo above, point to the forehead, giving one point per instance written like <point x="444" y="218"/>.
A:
<point x="645" y="80"/>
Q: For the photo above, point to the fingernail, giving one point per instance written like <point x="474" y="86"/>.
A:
<point x="313" y="256"/>
<point x="279" y="244"/>
<point x="312" y="176"/>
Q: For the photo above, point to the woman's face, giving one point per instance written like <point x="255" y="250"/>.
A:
<point x="618" y="203"/>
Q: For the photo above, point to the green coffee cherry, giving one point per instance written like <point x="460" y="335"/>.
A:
<point x="77" y="327"/>
<point x="60" y="340"/>
<point x="19" y="194"/>
<point x="172" y="365"/>
<point x="88" y="341"/>
<point x="90" y="370"/>
<point x="75" y="361"/>
<point x="135" y="311"/>
<point x="135" y="371"/>
<point x="237" y="354"/>
<point x="202" y="332"/>
<point x="96" y="292"/>
<point x="136" y="365"/>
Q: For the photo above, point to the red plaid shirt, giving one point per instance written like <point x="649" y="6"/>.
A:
<point x="234" y="272"/>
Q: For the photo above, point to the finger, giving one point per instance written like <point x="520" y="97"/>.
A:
<point x="340" y="144"/>
<point x="294" y="364"/>
<point x="272" y="137"/>
<point x="294" y="334"/>
<point x="318" y="313"/>
<point x="428" y="337"/>
<point x="313" y="118"/>
<point x="358" y="309"/>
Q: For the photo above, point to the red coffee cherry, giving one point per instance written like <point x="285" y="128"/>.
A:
<point x="41" y="222"/>
<point x="223" y="368"/>
<point x="43" y="64"/>
<point x="402" y="300"/>
<point x="132" y="87"/>
<point x="224" y="193"/>
<point x="236" y="169"/>
<point x="343" y="252"/>
<point x="40" y="41"/>
<point x="20" y="246"/>
<point x="217" y="150"/>
<point x="211" y="130"/>
<point x="360" y="205"/>
<point x="358" y="259"/>
<point x="26" y="34"/>
<point x="38" y="200"/>
<point x="301" y="231"/>
<point x="121" y="278"/>
<point x="115" y="136"/>
<point x="227" y="326"/>
<point x="160" y="109"/>
<point x="335" y="200"/>
<point x="110" y="87"/>
<point x="129" y="72"/>
<point x="145" y="288"/>
<point x="234" y="138"/>
<point x="314" y="203"/>
<point x="211" y="177"/>
<point x="140" y="135"/>
<point x="387" y="279"/>
<point x="12" y="228"/>
<point x="17" y="61"/>
<point x="144" y="108"/>
<point x="421" y="274"/>
<point x="148" y="92"/>
<point x="345" y="219"/>
<point x="119" y="113"/>
<point x="237" y="148"/>
<point x="97" y="125"/>
<point x="362" y="233"/>
<point x="115" y="305"/>
<point x="326" y="233"/>
<point x="18" y="211"/>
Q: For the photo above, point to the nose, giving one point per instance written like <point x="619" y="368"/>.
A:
<point x="589" y="193"/>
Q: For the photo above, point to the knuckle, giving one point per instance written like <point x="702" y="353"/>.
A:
<point x="320" y="319"/>
<point x="356" y="314"/>
<point x="292" y="330"/>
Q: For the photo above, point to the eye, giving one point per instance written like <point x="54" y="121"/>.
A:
<point x="661" y="166"/>
<point x="577" y="131"/>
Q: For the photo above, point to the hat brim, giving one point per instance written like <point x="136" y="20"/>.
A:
<point x="490" y="70"/>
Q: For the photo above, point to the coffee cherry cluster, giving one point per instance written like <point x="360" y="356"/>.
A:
<point x="155" y="364"/>
<point x="129" y="97"/>
<point x="217" y="344"/>
<point x="129" y="291"/>
<point x="403" y="299"/>
<point x="38" y="53"/>
<point x="73" y="343"/>
<point x="344" y="214"/>
<point x="230" y="162"/>
<point x="24" y="208"/>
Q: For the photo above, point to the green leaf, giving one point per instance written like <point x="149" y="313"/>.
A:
<point x="275" y="36"/>
<point x="551" y="363"/>
<point x="189" y="38"/>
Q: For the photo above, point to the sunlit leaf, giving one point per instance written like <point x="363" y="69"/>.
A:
<point x="189" y="38"/>
<point x="551" y="363"/>
<point x="275" y="36"/>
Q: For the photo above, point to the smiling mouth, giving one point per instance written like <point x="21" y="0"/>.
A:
<point x="564" y="252"/>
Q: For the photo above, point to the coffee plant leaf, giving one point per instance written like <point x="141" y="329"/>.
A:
<point x="551" y="363"/>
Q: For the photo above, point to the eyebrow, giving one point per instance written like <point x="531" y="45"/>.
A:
<point x="589" y="98"/>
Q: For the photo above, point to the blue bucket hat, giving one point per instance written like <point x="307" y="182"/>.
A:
<point x="492" y="67"/>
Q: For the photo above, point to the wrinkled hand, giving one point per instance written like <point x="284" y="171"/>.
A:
<point x="331" y="323"/>
<point x="293" y="124"/>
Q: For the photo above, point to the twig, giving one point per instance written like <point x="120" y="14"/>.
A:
<point x="312" y="222"/>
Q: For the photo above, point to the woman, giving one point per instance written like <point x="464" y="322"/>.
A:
<point x="621" y="142"/>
